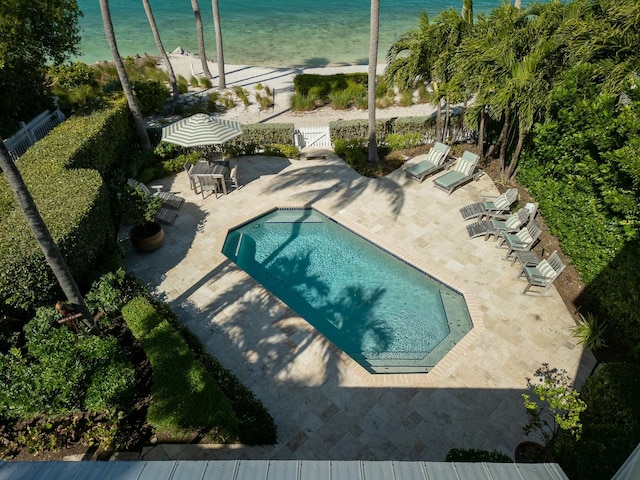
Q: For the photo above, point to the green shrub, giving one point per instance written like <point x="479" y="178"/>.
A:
<point x="399" y="142"/>
<point x="205" y="83"/>
<point x="183" y="84"/>
<point x="185" y="396"/>
<point x="150" y="95"/>
<point x="193" y="81"/>
<point x="277" y="150"/>
<point x="264" y="100"/>
<point x="476" y="455"/>
<point x="305" y="103"/>
<point x="340" y="100"/>
<point x="611" y="424"/>
<point x="212" y="102"/>
<point x="353" y="152"/>
<point x="242" y="95"/>
<point x="59" y="372"/>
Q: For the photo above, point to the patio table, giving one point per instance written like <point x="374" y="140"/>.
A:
<point x="217" y="171"/>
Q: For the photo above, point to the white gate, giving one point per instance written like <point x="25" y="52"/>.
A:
<point x="312" y="137"/>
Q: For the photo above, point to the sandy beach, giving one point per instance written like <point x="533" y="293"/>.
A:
<point x="280" y="81"/>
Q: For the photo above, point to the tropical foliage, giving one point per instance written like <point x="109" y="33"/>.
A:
<point x="27" y="45"/>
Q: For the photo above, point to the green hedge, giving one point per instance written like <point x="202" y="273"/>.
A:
<point x="257" y="136"/>
<point x="63" y="174"/>
<point x="581" y="168"/>
<point x="255" y="424"/>
<point x="75" y="206"/>
<point x="354" y="129"/>
<point x="185" y="397"/>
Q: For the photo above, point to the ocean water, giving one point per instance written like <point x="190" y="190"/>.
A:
<point x="274" y="33"/>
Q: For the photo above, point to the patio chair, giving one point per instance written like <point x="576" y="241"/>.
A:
<point x="521" y="241"/>
<point x="462" y="172"/>
<point x="209" y="183"/>
<point x="490" y="206"/>
<point x="193" y="181"/>
<point x="429" y="163"/>
<point x="496" y="226"/>
<point x="233" y="177"/>
<point x="169" y="199"/>
<point x="543" y="274"/>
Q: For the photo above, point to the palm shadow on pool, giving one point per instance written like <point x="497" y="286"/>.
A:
<point x="345" y="319"/>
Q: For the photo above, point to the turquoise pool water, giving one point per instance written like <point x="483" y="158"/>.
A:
<point x="384" y="313"/>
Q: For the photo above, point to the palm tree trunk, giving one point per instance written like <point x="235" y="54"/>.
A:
<point x="203" y="54"/>
<point x="374" y="24"/>
<point x="165" y="58"/>
<point x="481" y="127"/>
<point x="445" y="133"/>
<point x="511" y="169"/>
<point x="222" y="82"/>
<point x="503" y="136"/>
<point x="439" y="120"/>
<point x="46" y="243"/>
<point x="467" y="11"/>
<point x="143" y="137"/>
<point x="518" y="4"/>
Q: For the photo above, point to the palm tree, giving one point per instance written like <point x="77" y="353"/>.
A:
<point x="143" y="137"/>
<point x="203" y="54"/>
<point x="423" y="55"/>
<point x="222" y="82"/>
<point x="165" y="58"/>
<point x="45" y="241"/>
<point x="373" y="64"/>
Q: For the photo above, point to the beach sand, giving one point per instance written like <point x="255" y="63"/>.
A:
<point x="280" y="81"/>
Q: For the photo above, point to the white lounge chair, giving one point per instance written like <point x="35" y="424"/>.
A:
<point x="543" y="274"/>
<point x="462" y="172"/>
<point x="429" y="163"/>
<point x="490" y="206"/>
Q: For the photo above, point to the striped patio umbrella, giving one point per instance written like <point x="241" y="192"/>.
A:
<point x="201" y="129"/>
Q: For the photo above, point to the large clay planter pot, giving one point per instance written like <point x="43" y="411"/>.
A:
<point x="147" y="237"/>
<point x="532" y="452"/>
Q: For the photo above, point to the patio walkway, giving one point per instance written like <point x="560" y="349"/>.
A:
<point x="325" y="405"/>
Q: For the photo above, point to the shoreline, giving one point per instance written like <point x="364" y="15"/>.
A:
<point x="280" y="81"/>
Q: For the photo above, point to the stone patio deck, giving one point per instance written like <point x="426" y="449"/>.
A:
<point x="325" y="405"/>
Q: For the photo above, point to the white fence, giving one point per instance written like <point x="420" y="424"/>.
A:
<point x="31" y="132"/>
<point x="312" y="137"/>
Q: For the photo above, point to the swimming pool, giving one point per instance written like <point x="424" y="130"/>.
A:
<point x="384" y="313"/>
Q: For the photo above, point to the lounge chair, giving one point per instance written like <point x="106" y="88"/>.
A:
<point x="496" y="226"/>
<point x="429" y="163"/>
<point x="543" y="274"/>
<point x="462" y="172"/>
<point x="490" y="206"/>
<point x="521" y="241"/>
<point x="169" y="199"/>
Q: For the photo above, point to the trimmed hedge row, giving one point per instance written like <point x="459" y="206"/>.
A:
<point x="73" y="201"/>
<point x="353" y="129"/>
<point x="185" y="396"/>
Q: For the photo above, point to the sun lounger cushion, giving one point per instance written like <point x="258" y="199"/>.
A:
<point x="524" y="236"/>
<point x="545" y="270"/>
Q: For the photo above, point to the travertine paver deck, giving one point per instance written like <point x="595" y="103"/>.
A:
<point x="325" y="405"/>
